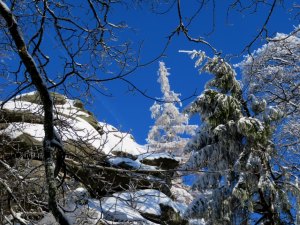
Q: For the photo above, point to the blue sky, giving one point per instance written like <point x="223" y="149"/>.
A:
<point x="130" y="110"/>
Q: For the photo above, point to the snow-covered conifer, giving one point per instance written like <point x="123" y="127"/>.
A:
<point x="233" y="150"/>
<point x="271" y="75"/>
<point x="166" y="135"/>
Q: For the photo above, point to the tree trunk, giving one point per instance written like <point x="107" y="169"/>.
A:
<point x="41" y="87"/>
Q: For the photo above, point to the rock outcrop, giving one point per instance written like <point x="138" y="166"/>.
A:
<point x="99" y="158"/>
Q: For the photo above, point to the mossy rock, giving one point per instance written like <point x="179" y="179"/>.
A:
<point x="79" y="104"/>
<point x="7" y="116"/>
<point x="84" y="151"/>
<point x="124" y="154"/>
<point x="58" y="99"/>
<point x="164" y="163"/>
<point x="28" y="140"/>
<point x="170" y="216"/>
<point x="103" y="180"/>
<point x="24" y="146"/>
<point x="3" y="126"/>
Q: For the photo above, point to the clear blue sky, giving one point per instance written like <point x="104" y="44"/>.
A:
<point x="130" y="111"/>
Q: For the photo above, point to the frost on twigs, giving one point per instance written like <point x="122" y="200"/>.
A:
<point x="171" y="126"/>
<point x="271" y="81"/>
<point x="200" y="56"/>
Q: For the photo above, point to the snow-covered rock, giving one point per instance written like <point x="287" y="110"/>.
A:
<point x="146" y="207"/>
<point x="162" y="160"/>
<point x="77" y="124"/>
<point x="124" y="162"/>
<point x="110" y="179"/>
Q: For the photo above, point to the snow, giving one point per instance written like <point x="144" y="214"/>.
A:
<point x="25" y="94"/>
<point x="121" y="207"/>
<point x="119" y="210"/>
<point x="134" y="164"/>
<point x="119" y="141"/>
<point x="153" y="155"/>
<point x="23" y="106"/>
<point x="14" y="130"/>
<point x="67" y="109"/>
<point x="181" y="195"/>
<point x="74" y="128"/>
<point x="147" y="201"/>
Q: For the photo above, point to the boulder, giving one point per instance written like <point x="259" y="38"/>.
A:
<point x="161" y="160"/>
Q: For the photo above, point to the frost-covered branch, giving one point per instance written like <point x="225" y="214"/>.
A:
<point x="170" y="125"/>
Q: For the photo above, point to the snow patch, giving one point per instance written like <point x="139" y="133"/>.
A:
<point x="74" y="127"/>
<point x="152" y="156"/>
<point x="118" y="161"/>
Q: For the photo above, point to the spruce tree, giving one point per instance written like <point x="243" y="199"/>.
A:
<point x="233" y="151"/>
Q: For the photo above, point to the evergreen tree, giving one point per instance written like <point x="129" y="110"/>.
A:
<point x="271" y="75"/>
<point x="166" y="134"/>
<point x="233" y="150"/>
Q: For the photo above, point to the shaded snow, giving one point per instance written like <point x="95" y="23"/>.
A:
<point x="116" y="209"/>
<point x="197" y="222"/>
<point x="147" y="201"/>
<point x="121" y="208"/>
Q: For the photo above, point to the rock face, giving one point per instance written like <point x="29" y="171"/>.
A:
<point x="99" y="158"/>
<point x="170" y="216"/>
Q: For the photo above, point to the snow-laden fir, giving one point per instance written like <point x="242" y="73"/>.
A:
<point x="238" y="182"/>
